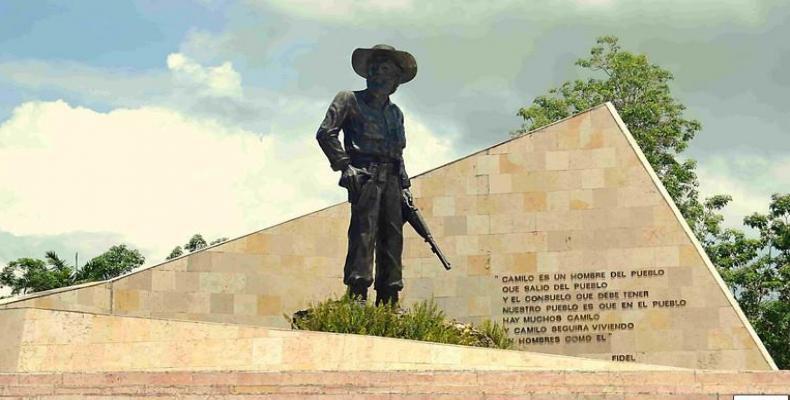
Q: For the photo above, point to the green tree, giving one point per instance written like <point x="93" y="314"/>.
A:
<point x="640" y="93"/>
<point x="218" y="241"/>
<point x="757" y="271"/>
<point x="114" y="262"/>
<point x="195" y="243"/>
<point x="26" y="275"/>
<point x="177" y="252"/>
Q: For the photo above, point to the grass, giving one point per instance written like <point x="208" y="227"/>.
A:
<point x="423" y="321"/>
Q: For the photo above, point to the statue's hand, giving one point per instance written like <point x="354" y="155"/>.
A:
<point x="407" y="195"/>
<point x="353" y="179"/>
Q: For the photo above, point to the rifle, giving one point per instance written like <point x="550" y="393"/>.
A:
<point x="412" y="215"/>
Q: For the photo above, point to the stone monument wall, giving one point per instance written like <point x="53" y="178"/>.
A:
<point x="564" y="235"/>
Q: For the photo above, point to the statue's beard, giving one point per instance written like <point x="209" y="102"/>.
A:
<point x="383" y="86"/>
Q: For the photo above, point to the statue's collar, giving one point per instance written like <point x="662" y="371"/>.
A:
<point x="365" y="97"/>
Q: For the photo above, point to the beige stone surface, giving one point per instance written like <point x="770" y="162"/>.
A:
<point x="574" y="197"/>
<point x="91" y="297"/>
<point x="12" y="323"/>
<point x="58" y="341"/>
<point x="398" y="385"/>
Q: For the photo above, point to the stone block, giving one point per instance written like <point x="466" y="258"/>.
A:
<point x="525" y="263"/>
<point x="222" y="303"/>
<point x="455" y="225"/>
<point x="558" y="201"/>
<point x="543" y="141"/>
<point x="215" y="282"/>
<point x="581" y="199"/>
<point x="591" y="138"/>
<point x="479" y="306"/>
<point x="667" y="256"/>
<point x="162" y="281"/>
<point x="136" y="281"/>
<point x="557" y="160"/>
<point x="476" y="185"/>
<point x="534" y="201"/>
<point x="126" y="300"/>
<point x="245" y="304"/>
<point x="593" y="178"/>
<point x="637" y="196"/>
<point x="568" y="139"/>
<point x="605" y="198"/>
<point x="479" y="264"/>
<point x="557" y="220"/>
<point x="486" y="164"/>
<point x="269" y="305"/>
<point x="511" y="163"/>
<point x="603" y="158"/>
<point x="500" y="183"/>
<point x="443" y="206"/>
<point x="478" y="224"/>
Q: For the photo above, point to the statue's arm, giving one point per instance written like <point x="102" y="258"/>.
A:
<point x="329" y="130"/>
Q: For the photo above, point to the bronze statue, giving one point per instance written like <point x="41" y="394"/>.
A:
<point x="371" y="161"/>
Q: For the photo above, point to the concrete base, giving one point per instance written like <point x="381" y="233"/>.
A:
<point x="65" y="341"/>
<point x="69" y="355"/>
<point x="398" y="385"/>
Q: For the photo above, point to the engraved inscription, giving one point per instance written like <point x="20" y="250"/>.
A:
<point x="576" y="307"/>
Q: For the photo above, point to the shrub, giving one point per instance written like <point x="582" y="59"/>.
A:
<point x="424" y="321"/>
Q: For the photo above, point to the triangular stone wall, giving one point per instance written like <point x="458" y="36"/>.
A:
<point x="564" y="235"/>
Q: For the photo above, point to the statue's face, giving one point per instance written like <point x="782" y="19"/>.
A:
<point x="383" y="75"/>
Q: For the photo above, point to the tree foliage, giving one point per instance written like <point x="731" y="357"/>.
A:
<point x="640" y="93"/>
<point x="177" y="252"/>
<point x="757" y="271"/>
<point x="116" y="261"/>
<point x="218" y="241"/>
<point x="195" y="243"/>
<point x="27" y="275"/>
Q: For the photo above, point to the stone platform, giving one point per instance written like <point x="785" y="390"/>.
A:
<point x="397" y="385"/>
<point x="49" y="354"/>
<point x="60" y="341"/>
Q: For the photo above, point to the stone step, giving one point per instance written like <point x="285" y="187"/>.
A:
<point x="61" y="341"/>
<point x="397" y="385"/>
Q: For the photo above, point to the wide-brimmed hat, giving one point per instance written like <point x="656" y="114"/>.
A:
<point x="361" y="57"/>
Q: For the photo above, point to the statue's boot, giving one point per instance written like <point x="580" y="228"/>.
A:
<point x="358" y="293"/>
<point x="387" y="297"/>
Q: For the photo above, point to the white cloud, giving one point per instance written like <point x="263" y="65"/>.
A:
<point x="184" y="82"/>
<point x="220" y="81"/>
<point x="750" y="180"/>
<point x="425" y="149"/>
<point x="155" y="175"/>
<point x="152" y="174"/>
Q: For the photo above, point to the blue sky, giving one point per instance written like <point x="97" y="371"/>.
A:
<point x="127" y="35"/>
<point x="146" y="121"/>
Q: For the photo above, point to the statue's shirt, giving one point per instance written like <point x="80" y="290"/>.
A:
<point x="367" y="131"/>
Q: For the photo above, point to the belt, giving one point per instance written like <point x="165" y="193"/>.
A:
<point x="358" y="160"/>
<point x="380" y="168"/>
<point x="373" y="158"/>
